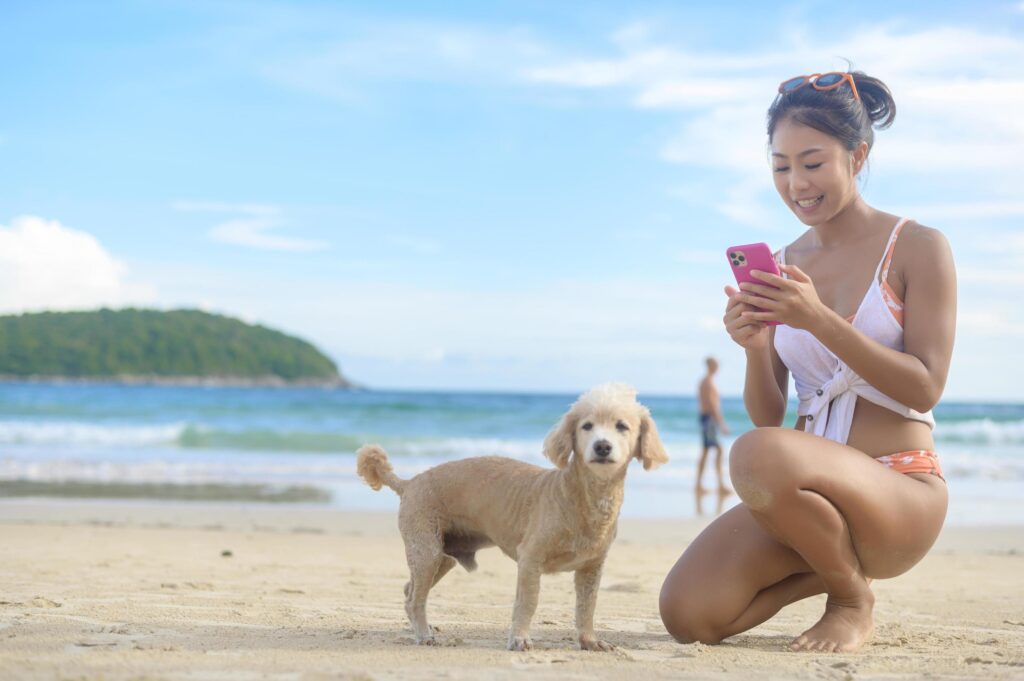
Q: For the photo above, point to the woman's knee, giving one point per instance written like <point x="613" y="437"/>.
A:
<point x="758" y="466"/>
<point x="685" y="613"/>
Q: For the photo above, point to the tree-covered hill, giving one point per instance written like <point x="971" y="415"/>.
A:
<point x="142" y="345"/>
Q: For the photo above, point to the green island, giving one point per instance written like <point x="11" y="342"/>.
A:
<point x="175" y="347"/>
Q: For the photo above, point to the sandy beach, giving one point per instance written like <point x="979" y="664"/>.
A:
<point x="102" y="590"/>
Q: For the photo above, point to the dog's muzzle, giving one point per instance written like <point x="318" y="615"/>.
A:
<point x="602" y="452"/>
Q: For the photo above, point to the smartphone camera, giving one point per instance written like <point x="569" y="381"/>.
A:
<point x="738" y="259"/>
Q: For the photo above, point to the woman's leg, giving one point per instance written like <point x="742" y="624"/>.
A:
<point x="818" y="516"/>
<point x="732" y="577"/>
<point x="848" y="517"/>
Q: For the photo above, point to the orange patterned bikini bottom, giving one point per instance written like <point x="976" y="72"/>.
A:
<point x="913" y="461"/>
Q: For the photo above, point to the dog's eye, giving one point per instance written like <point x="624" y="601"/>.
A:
<point x="621" y="426"/>
<point x="587" y="426"/>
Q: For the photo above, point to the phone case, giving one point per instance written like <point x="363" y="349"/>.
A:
<point x="748" y="257"/>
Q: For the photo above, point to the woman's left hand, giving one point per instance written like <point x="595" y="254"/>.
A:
<point x="792" y="301"/>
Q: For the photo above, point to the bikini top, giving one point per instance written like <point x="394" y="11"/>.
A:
<point x="822" y="379"/>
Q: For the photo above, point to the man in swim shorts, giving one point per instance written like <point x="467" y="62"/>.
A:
<point x="711" y="421"/>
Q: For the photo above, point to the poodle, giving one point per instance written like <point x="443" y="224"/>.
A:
<point x="547" y="520"/>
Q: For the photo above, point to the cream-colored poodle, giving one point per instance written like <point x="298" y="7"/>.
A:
<point x="546" y="520"/>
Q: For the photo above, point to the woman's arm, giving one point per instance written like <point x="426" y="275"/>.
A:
<point x="915" y="377"/>
<point x="766" y="385"/>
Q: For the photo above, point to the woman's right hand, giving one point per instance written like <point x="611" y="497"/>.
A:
<point x="747" y="333"/>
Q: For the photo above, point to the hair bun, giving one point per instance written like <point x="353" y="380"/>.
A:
<point x="878" y="101"/>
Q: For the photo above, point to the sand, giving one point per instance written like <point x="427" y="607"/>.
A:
<point x="102" y="590"/>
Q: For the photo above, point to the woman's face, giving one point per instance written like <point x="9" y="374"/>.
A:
<point x="814" y="174"/>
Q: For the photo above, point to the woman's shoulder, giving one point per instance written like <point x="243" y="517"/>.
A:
<point x="923" y="248"/>
<point x="923" y="241"/>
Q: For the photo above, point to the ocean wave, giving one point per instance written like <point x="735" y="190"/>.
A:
<point x="980" y="431"/>
<point x="232" y="469"/>
<point x="183" y="435"/>
<point x="77" y="433"/>
<point x="198" y="437"/>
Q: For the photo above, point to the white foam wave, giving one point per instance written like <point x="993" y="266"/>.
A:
<point x="78" y="433"/>
<point x="157" y="470"/>
<point x="981" y="431"/>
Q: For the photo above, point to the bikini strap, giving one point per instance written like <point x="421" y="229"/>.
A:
<point x="883" y="264"/>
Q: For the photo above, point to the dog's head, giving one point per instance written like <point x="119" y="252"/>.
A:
<point x="605" y="428"/>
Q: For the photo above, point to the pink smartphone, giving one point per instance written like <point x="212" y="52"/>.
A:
<point x="748" y="257"/>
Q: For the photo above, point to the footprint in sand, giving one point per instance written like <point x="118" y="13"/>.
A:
<point x="626" y="587"/>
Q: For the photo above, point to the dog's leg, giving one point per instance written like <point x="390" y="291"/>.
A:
<point x="447" y="563"/>
<point x="427" y="564"/>
<point x="588" y="579"/>
<point x="527" y="591"/>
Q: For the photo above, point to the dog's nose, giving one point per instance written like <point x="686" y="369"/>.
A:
<point x="602" y="448"/>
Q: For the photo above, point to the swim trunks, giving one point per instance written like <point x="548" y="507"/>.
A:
<point x="709" y="431"/>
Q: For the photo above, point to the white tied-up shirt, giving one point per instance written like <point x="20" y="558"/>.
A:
<point x="827" y="388"/>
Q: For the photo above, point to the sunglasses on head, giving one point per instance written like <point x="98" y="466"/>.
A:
<point x="819" y="81"/>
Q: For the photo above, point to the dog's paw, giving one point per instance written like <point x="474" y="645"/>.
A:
<point x="426" y="639"/>
<point x="596" y="644"/>
<point x="520" y="643"/>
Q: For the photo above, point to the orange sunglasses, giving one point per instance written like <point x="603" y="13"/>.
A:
<point x="819" y="81"/>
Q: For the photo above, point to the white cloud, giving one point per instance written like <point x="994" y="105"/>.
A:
<point x="958" y="93"/>
<point x="989" y="322"/>
<point x="251" y="228"/>
<point x="47" y="266"/>
<point x="331" y="53"/>
<point x="973" y="210"/>
<point x="253" y="233"/>
<point x="992" y="276"/>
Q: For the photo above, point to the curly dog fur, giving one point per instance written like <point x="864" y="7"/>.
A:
<point x="547" y="520"/>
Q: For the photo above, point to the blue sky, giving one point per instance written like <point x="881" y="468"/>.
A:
<point x="501" y="196"/>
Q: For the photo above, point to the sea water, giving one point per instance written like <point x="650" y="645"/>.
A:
<point x="62" y="440"/>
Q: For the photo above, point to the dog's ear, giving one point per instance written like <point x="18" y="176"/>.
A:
<point x="649" y="448"/>
<point x="561" y="441"/>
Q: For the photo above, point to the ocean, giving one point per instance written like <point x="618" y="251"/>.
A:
<point x="297" y="445"/>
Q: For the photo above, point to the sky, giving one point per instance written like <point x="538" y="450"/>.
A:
<point x="506" y="196"/>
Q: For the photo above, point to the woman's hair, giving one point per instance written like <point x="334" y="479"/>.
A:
<point x="837" y="112"/>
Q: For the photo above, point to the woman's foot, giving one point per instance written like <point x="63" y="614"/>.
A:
<point x="845" y="626"/>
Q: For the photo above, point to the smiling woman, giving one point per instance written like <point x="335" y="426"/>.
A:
<point x="869" y="354"/>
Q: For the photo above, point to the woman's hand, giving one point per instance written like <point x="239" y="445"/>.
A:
<point x="745" y="332"/>
<point x="792" y="301"/>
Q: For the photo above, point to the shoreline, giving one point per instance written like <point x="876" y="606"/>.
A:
<point x="129" y="590"/>
<point x="268" y="381"/>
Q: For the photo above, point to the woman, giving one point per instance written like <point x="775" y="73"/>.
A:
<point x="854" y="492"/>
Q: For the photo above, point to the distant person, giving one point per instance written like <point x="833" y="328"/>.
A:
<point x="866" y="317"/>
<point x="711" y="421"/>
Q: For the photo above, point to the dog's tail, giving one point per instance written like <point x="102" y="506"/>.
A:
<point x="373" y="466"/>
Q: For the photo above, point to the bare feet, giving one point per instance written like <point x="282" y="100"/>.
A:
<point x="843" y="628"/>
